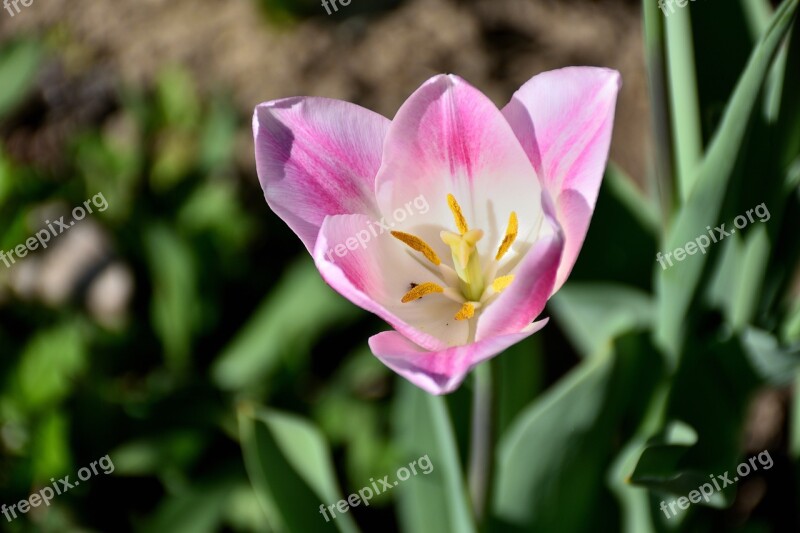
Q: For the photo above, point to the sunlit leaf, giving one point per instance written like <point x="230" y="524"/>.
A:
<point x="290" y="467"/>
<point x="436" y="502"/>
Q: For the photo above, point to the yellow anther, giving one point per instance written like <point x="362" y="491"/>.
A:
<point x="423" y="289"/>
<point x="511" y="236"/>
<point x="466" y="312"/>
<point x="461" y="222"/>
<point x="419" y="245"/>
<point x="502" y="282"/>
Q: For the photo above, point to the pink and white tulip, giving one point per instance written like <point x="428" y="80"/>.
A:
<point x="510" y="192"/>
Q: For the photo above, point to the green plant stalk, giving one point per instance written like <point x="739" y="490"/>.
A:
<point x="481" y="440"/>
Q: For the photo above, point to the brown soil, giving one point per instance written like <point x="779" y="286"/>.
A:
<point x="377" y="62"/>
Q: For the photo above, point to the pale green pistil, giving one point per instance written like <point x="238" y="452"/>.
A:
<point x="466" y="261"/>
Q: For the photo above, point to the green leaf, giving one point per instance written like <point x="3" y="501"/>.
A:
<point x="775" y="364"/>
<point x="19" y="64"/>
<point x="297" y="312"/>
<point x="197" y="510"/>
<point x="716" y="376"/>
<point x="790" y="329"/>
<point x="152" y="456"/>
<point x="641" y="206"/>
<point x="215" y="208"/>
<point x="51" y="362"/>
<point x="661" y="468"/>
<point x="519" y="376"/>
<point x="687" y="137"/>
<point x="757" y="15"/>
<point x="290" y="467"/>
<point x="676" y="285"/>
<point x="737" y="281"/>
<point x="555" y="426"/>
<point x="752" y="269"/>
<point x="788" y="133"/>
<point x="659" y="93"/>
<point x="175" y="304"/>
<point x="725" y="275"/>
<point x="635" y="507"/>
<point x="219" y="136"/>
<point x="50" y="450"/>
<point x="794" y="422"/>
<point x="5" y="178"/>
<point x="436" y="502"/>
<point x="593" y="314"/>
<point x="177" y="98"/>
<point x="556" y="452"/>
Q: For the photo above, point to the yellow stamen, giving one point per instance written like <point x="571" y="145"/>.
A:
<point x="467" y="311"/>
<point x="511" y="236"/>
<point x="421" y="290"/>
<point x="502" y="282"/>
<point x="461" y="222"/>
<point x="419" y="245"/>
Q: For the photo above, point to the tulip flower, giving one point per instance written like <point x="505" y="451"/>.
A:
<point x="510" y="193"/>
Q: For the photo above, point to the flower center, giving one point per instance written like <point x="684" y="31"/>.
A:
<point x="465" y="283"/>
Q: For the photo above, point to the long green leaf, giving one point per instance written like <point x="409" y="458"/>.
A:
<point x="684" y="106"/>
<point x="435" y="503"/>
<point x="659" y="97"/>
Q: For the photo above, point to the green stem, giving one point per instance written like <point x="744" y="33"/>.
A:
<point x="481" y="440"/>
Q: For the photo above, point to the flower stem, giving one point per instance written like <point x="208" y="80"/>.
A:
<point x="481" y="440"/>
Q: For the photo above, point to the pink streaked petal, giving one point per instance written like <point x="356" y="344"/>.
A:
<point x="450" y="138"/>
<point x="441" y="372"/>
<point x="375" y="277"/>
<point x="563" y="119"/>
<point x="317" y="157"/>
<point x="522" y="301"/>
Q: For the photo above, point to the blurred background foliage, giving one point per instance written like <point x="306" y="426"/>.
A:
<point x="185" y="331"/>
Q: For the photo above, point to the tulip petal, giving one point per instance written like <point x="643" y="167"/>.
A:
<point x="522" y="301"/>
<point x="449" y="138"/>
<point x="377" y="275"/>
<point x="317" y="157"/>
<point x="563" y="119"/>
<point x="441" y="372"/>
